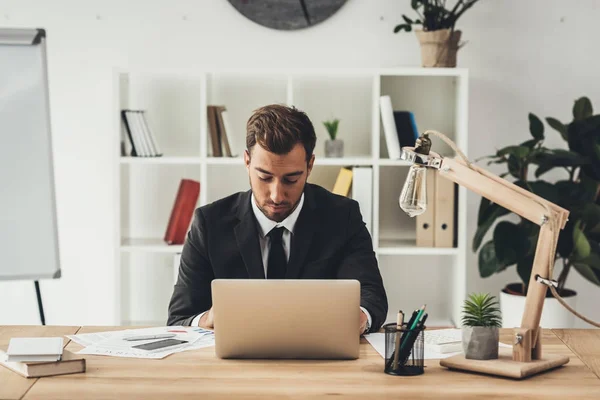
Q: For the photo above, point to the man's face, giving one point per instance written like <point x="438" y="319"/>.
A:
<point x="277" y="181"/>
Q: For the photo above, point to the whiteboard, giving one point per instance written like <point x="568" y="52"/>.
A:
<point x="28" y="229"/>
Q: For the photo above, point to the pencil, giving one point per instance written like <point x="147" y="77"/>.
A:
<point x="399" y="323"/>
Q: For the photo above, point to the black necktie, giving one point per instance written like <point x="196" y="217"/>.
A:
<point x="277" y="260"/>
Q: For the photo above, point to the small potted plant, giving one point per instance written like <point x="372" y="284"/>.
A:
<point x="333" y="147"/>
<point x="481" y="320"/>
<point x="439" y="40"/>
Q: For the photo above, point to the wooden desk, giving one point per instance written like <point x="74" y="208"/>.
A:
<point x="198" y="373"/>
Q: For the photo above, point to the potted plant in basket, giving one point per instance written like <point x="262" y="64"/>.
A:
<point x="333" y="147"/>
<point x="575" y="186"/>
<point x="481" y="320"/>
<point x="438" y="37"/>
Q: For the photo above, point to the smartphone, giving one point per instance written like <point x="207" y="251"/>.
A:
<point x="159" y="345"/>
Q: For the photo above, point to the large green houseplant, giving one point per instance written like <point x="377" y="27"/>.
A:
<point x="576" y="187"/>
<point x="438" y="37"/>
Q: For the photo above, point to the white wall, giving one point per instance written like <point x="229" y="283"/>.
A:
<point x="535" y="55"/>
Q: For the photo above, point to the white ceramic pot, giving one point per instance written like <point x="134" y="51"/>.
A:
<point x="554" y="315"/>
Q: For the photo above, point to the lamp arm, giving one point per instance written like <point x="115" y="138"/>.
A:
<point x="502" y="192"/>
<point x="529" y="206"/>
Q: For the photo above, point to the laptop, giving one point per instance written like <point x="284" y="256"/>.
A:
<point x="291" y="319"/>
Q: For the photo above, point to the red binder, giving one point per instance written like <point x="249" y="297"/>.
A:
<point x="183" y="211"/>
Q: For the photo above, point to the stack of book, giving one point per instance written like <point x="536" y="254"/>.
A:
<point x="139" y="133"/>
<point x="36" y="357"/>
<point x="219" y="130"/>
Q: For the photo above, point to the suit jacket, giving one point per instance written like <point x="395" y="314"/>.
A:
<point x="330" y="241"/>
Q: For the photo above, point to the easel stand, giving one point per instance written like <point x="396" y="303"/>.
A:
<point x="526" y="358"/>
<point x="39" y="301"/>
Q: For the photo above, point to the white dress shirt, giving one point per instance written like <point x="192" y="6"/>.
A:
<point x="265" y="225"/>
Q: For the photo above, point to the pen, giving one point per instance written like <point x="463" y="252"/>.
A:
<point x="148" y="337"/>
<point x="410" y="334"/>
<point x="399" y="323"/>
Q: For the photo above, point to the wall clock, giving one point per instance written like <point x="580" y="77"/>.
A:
<point x="287" y="14"/>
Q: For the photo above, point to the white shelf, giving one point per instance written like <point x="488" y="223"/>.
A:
<point x="342" y="161"/>
<point x="225" y="160"/>
<point x="160" y="160"/>
<point x="389" y="247"/>
<point x="148" y="245"/>
<point x="145" y="195"/>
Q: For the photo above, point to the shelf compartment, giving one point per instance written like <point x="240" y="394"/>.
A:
<point x="172" y="105"/>
<point x="346" y="97"/>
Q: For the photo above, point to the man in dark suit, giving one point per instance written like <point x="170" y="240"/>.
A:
<point x="283" y="228"/>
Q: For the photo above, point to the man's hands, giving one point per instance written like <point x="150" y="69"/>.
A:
<point x="207" y="320"/>
<point x="363" y="322"/>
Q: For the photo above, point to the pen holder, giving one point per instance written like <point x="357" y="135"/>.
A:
<point x="404" y="350"/>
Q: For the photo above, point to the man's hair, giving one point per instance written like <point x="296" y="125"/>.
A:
<point x="278" y="128"/>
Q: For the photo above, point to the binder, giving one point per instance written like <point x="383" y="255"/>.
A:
<point x="445" y="213"/>
<point x="426" y="222"/>
<point x="182" y="212"/>
<point x="343" y="182"/>
<point x="362" y="192"/>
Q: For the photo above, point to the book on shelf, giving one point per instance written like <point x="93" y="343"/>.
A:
<point x="343" y="182"/>
<point x="141" y="139"/>
<point x="220" y="132"/>
<point x="182" y="211"/>
<point x="406" y="128"/>
<point x="399" y="127"/>
<point x="68" y="364"/>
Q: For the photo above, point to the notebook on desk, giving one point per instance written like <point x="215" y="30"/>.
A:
<point x="69" y="364"/>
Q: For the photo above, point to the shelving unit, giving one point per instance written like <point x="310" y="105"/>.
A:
<point x="176" y="108"/>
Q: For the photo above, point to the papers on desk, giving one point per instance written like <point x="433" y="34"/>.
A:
<point x="377" y="340"/>
<point x="113" y="343"/>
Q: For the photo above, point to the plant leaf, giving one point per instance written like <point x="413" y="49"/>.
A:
<point x="407" y="20"/>
<point x="510" y="242"/>
<point x="530" y="143"/>
<point x="492" y="212"/>
<point x="524" y="267"/>
<point x="402" y="27"/>
<point x="581" y="246"/>
<point x="488" y="263"/>
<point x="517" y="151"/>
<point x="483" y="207"/>
<point x="558" y="126"/>
<point x="591" y="216"/>
<point x="582" y="109"/>
<point x="514" y="166"/>
<point x="536" y="128"/>
<point x="587" y="272"/>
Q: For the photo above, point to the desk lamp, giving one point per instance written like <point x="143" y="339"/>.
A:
<point x="526" y="358"/>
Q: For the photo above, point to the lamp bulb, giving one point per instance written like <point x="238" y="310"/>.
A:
<point x="413" y="198"/>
